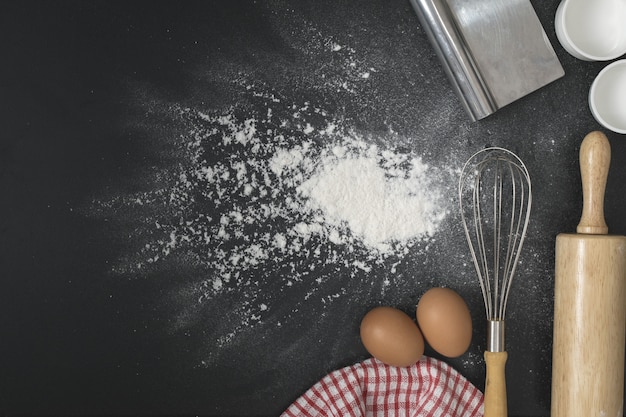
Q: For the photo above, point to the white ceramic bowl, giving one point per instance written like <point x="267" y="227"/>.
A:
<point x="607" y="97"/>
<point x="592" y="30"/>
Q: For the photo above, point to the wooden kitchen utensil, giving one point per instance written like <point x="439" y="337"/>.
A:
<point x="590" y="302"/>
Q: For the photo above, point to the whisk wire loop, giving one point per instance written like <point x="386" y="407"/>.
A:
<point x="495" y="197"/>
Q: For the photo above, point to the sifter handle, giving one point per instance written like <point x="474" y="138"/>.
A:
<point x="595" y="158"/>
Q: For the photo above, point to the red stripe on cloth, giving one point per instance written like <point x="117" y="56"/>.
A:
<point x="357" y="397"/>
<point x="398" y="388"/>
<point x="341" y="402"/>
<point x="315" y="395"/>
<point x="376" y="397"/>
<point x="437" y="398"/>
<point x="429" y="388"/>
<point x="476" y="401"/>
<point x="384" y="383"/>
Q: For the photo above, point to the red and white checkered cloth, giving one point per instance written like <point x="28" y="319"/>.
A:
<point x="430" y="388"/>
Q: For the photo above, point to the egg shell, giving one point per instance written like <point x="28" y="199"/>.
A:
<point x="392" y="337"/>
<point x="445" y="321"/>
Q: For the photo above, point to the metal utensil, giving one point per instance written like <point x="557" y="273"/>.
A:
<point x="493" y="51"/>
<point x="495" y="198"/>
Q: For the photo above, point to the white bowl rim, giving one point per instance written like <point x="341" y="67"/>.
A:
<point x="592" y="103"/>
<point x="567" y="43"/>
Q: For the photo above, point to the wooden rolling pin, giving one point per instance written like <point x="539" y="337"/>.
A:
<point x="590" y="302"/>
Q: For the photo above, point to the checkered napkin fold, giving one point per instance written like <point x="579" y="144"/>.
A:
<point x="429" y="388"/>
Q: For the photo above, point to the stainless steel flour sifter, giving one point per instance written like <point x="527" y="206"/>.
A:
<point x="493" y="51"/>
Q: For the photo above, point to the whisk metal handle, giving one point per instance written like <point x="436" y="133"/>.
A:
<point x="495" y="336"/>
<point x="495" y="403"/>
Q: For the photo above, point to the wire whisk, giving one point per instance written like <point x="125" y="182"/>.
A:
<point x="495" y="197"/>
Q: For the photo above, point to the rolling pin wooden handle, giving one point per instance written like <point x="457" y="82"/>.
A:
<point x="595" y="158"/>
<point x="495" y="384"/>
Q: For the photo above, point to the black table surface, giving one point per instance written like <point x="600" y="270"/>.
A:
<point x="102" y="105"/>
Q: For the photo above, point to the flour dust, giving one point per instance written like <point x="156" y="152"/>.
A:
<point x="273" y="203"/>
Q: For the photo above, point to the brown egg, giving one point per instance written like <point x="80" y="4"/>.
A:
<point x="392" y="337"/>
<point x="445" y="321"/>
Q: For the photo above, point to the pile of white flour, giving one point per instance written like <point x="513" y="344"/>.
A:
<point x="271" y="195"/>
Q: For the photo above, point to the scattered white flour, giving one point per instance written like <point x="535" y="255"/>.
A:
<point x="274" y="197"/>
<point x="269" y="196"/>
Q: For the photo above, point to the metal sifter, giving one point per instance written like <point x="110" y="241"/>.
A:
<point x="495" y="199"/>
